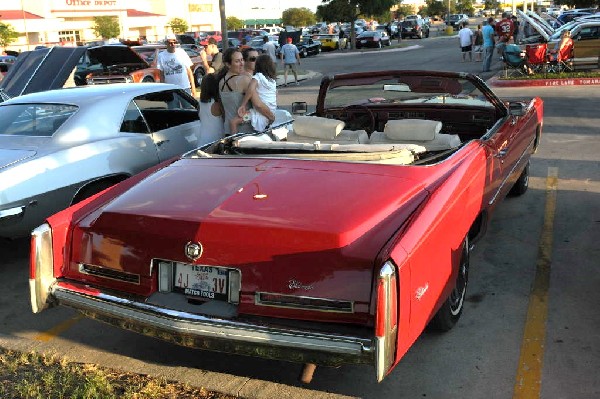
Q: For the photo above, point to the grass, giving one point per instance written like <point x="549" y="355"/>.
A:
<point x="33" y="376"/>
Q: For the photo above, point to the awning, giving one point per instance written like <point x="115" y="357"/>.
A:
<point x="262" y="21"/>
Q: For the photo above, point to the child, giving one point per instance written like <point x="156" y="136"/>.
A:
<point x="263" y="87"/>
<point x="210" y="110"/>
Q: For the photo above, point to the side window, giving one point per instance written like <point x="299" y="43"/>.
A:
<point x="133" y="121"/>
<point x="166" y="109"/>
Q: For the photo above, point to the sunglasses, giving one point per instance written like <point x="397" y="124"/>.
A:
<point x="252" y="59"/>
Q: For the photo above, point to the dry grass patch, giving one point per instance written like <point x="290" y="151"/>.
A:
<point x="33" y="376"/>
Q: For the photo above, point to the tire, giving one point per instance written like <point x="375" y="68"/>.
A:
<point x="379" y="44"/>
<point x="198" y="76"/>
<point x="522" y="183"/>
<point x="420" y="35"/>
<point x="447" y="316"/>
<point x="304" y="53"/>
<point x="93" y="188"/>
<point x="148" y="79"/>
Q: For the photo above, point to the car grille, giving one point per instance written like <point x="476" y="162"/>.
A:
<point x="103" y="81"/>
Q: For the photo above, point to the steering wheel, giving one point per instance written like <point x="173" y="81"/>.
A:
<point x="358" y="120"/>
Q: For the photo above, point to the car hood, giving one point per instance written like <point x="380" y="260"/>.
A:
<point x="9" y="157"/>
<point x="41" y="70"/>
<point x="275" y="220"/>
<point x="115" y="55"/>
<point x="535" y="24"/>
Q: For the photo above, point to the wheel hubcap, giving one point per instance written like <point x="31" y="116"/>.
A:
<point x="458" y="293"/>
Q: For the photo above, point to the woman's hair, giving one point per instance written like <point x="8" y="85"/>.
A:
<point x="265" y="65"/>
<point x="246" y="52"/>
<point x="228" y="55"/>
<point x="209" y="88"/>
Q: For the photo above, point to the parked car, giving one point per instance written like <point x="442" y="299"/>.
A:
<point x="83" y="140"/>
<point x="242" y="245"/>
<point x="393" y="29"/>
<point x="329" y="42"/>
<point x="308" y="46"/>
<point x="257" y="43"/>
<point x="455" y="20"/>
<point x="150" y="54"/>
<point x="372" y="38"/>
<point x="122" y="64"/>
<point x="414" y="28"/>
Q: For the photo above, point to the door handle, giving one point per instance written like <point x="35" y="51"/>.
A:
<point x="502" y="153"/>
<point x="161" y="142"/>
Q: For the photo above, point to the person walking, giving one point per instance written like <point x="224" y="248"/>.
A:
<point x="465" y="38"/>
<point x="478" y="43"/>
<point x="488" y="44"/>
<point x="175" y="66"/>
<point x="269" y="49"/>
<point x="289" y="57"/>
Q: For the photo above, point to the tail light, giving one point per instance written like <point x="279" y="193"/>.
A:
<point x="41" y="266"/>
<point x="386" y="319"/>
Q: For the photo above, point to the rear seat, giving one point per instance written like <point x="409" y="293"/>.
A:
<point x="419" y="132"/>
<point x="309" y="129"/>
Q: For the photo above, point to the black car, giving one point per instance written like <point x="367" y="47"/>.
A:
<point x="308" y="46"/>
<point x="372" y="38"/>
<point x="414" y="28"/>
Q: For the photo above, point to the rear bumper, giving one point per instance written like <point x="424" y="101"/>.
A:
<point x="197" y="331"/>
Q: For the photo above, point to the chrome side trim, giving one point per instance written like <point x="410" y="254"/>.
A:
<point x="232" y="336"/>
<point x="12" y="212"/>
<point x="109" y="274"/>
<point x="348" y="306"/>
<point x="527" y="151"/>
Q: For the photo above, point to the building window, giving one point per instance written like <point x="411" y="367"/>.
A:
<point x="69" y="36"/>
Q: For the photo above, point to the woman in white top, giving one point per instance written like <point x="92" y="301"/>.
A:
<point x="232" y="88"/>
<point x="210" y="111"/>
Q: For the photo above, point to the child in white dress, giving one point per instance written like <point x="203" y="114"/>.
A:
<point x="262" y="87"/>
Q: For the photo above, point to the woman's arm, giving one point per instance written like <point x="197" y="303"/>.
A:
<point x="250" y="93"/>
<point x="257" y="103"/>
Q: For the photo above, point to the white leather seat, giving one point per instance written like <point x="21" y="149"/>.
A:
<point x="420" y="132"/>
<point x="310" y="129"/>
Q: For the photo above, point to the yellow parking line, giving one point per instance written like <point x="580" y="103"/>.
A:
<point x="528" y="382"/>
<point x="59" y="328"/>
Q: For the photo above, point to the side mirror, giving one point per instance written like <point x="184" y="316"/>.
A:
<point x="299" y="108"/>
<point x="516" y="109"/>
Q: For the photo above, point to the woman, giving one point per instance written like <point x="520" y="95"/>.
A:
<point x="233" y="86"/>
<point x="249" y="54"/>
<point x="210" y="112"/>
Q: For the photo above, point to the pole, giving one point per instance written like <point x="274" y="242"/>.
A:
<point x="25" y="25"/>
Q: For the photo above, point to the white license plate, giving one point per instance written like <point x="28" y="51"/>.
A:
<point x="198" y="281"/>
<point x="363" y="41"/>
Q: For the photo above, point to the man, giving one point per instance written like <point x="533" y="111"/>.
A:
<point x="504" y="30"/>
<point x="516" y="24"/>
<point x="465" y="38"/>
<point x="269" y="49"/>
<point x="488" y="43"/>
<point x="175" y="66"/>
<point x="212" y="51"/>
<point x="289" y="57"/>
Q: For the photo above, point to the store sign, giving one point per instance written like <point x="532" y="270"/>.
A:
<point x="195" y="7"/>
<point x="90" y="3"/>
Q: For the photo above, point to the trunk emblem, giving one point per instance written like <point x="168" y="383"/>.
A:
<point x="193" y="250"/>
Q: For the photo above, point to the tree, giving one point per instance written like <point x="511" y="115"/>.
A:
<point x="7" y="34"/>
<point x="580" y="3"/>
<point x="434" y="7"/>
<point x="465" y="7"/>
<point x="404" y="10"/>
<point x="106" y="27"/>
<point x="234" y="23"/>
<point x="298" y="17"/>
<point x="178" y="25"/>
<point x="492" y="4"/>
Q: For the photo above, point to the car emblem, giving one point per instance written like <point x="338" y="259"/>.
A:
<point x="193" y="250"/>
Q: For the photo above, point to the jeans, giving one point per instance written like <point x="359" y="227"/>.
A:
<point x="487" y="58"/>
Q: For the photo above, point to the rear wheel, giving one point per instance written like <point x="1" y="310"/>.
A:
<point x="304" y="53"/>
<point x="148" y="79"/>
<point x="447" y="316"/>
<point x="521" y="184"/>
<point x="93" y="189"/>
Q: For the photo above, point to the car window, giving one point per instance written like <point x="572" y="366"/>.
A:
<point x="34" y="119"/>
<point x="133" y="121"/>
<point x="166" y="109"/>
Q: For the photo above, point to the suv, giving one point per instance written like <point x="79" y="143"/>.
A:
<point x="455" y="20"/>
<point x="414" y="28"/>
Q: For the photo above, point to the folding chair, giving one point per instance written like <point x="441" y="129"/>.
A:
<point x="514" y="60"/>
<point x="535" y="54"/>
<point x="561" y="60"/>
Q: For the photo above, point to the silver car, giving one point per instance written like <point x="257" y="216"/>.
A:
<point x="59" y="147"/>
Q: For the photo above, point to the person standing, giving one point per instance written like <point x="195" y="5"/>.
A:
<point x="516" y="25"/>
<point x="269" y="49"/>
<point x="175" y="66"/>
<point x="342" y="39"/>
<point x="478" y="43"/>
<point x="465" y="38"/>
<point x="210" y="111"/>
<point x="488" y="44"/>
<point x="289" y="57"/>
<point x="504" y="30"/>
<point x="216" y="58"/>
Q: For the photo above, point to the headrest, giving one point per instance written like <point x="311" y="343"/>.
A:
<point x="317" y="127"/>
<point x="412" y="129"/>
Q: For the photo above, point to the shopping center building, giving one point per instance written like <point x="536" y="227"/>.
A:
<point x="71" y="22"/>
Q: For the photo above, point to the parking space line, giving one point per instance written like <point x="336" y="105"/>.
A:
<point x="528" y="382"/>
<point x="58" y="329"/>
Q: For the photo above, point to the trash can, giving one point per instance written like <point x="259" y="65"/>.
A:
<point x="449" y="30"/>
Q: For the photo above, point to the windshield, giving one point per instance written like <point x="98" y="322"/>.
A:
<point x="34" y="119"/>
<point x="405" y="89"/>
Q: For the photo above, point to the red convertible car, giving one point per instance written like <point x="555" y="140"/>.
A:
<point x="336" y="238"/>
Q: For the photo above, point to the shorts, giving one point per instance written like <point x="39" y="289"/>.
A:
<point x="478" y="49"/>
<point x="292" y="67"/>
<point x="466" y="49"/>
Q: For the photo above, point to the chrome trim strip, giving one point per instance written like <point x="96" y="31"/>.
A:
<point x="493" y="199"/>
<point x="183" y="324"/>
<point x="111" y="274"/>
<point x="257" y="301"/>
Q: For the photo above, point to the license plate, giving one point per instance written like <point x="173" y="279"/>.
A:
<point x="203" y="282"/>
<point x="363" y="41"/>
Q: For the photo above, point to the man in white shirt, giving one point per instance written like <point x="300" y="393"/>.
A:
<point x="175" y="66"/>
<point x="465" y="36"/>
<point x="269" y="48"/>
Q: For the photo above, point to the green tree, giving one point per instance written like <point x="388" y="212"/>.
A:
<point x="106" y="27"/>
<point x="178" y="25"/>
<point x="492" y="4"/>
<point x="298" y="17"/>
<point x="434" y="7"/>
<point x="404" y="10"/>
<point x="234" y="23"/>
<point x="7" y="34"/>
<point x="580" y="3"/>
<point x="465" y="7"/>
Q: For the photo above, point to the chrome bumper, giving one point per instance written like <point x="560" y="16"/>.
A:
<point x="197" y="331"/>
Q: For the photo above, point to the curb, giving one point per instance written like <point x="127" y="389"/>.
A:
<point x="551" y="82"/>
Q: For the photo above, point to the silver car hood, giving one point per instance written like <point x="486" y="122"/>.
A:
<point x="534" y="24"/>
<point x="9" y="157"/>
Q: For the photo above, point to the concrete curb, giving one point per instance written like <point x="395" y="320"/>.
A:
<point x="551" y="82"/>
